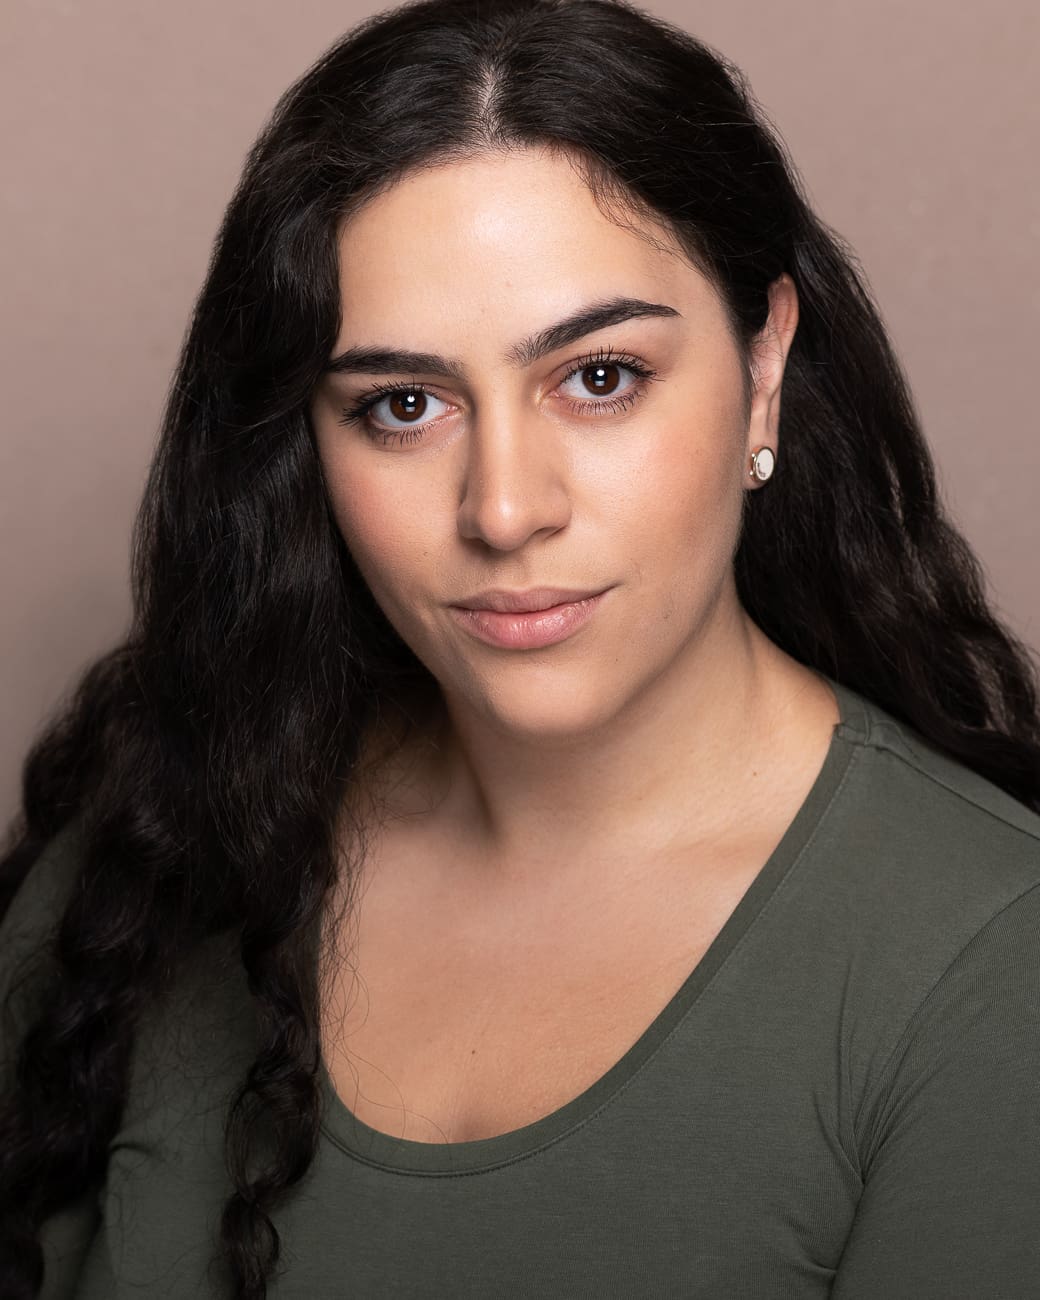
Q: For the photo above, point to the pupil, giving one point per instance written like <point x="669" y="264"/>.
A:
<point x="599" y="372"/>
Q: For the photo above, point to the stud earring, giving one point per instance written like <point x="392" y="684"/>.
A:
<point x="762" y="463"/>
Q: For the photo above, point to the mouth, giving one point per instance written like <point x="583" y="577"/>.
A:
<point x="535" y="600"/>
<point x="530" y="629"/>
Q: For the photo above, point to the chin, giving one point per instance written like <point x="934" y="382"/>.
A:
<point x="543" y="706"/>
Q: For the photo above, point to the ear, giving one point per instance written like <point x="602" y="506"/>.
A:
<point x="768" y="357"/>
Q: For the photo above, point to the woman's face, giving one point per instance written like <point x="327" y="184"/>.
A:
<point x="608" y="457"/>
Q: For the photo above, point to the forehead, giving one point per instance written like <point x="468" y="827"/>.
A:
<point x="499" y="240"/>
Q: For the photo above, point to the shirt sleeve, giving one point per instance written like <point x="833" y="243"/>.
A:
<point x="950" y="1207"/>
<point x="26" y="969"/>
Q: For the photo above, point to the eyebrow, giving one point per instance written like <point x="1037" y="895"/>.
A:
<point x="595" y="316"/>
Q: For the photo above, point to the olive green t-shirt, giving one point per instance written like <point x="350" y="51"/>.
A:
<point x="842" y="1099"/>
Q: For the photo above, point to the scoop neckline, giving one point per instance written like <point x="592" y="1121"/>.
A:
<point x="405" y="1156"/>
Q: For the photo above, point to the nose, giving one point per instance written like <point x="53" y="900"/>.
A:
<point x="515" y="482"/>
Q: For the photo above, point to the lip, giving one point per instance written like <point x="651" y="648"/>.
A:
<point x="529" y="630"/>
<point x="525" y="602"/>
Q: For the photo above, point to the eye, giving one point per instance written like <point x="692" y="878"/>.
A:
<point x="598" y="375"/>
<point x="411" y="402"/>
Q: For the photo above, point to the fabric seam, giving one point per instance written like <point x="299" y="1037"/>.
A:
<point x="870" y="1102"/>
<point x="916" y="766"/>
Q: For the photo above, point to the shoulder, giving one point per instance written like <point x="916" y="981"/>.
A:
<point x="913" y="862"/>
<point x="29" y="928"/>
<point x="963" y="790"/>
<point x="41" y="897"/>
<point x="928" y="823"/>
<point x="202" y="1013"/>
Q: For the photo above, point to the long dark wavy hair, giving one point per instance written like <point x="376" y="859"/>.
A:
<point x="205" y="759"/>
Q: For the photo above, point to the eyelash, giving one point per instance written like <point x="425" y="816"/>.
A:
<point x="605" y="356"/>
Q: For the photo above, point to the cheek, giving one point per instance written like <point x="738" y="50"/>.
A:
<point x="383" y="534"/>
<point x="685" y="496"/>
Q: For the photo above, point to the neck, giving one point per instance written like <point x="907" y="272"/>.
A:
<point x="703" y="747"/>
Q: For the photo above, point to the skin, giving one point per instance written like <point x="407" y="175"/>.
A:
<point x="669" y="719"/>
<point x="556" y="852"/>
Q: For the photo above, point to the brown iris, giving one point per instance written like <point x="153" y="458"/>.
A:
<point x="404" y="405"/>
<point x="599" y="371"/>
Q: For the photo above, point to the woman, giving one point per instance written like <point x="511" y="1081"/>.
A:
<point x="373" y="934"/>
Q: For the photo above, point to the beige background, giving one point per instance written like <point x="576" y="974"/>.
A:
<point x="124" y="124"/>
